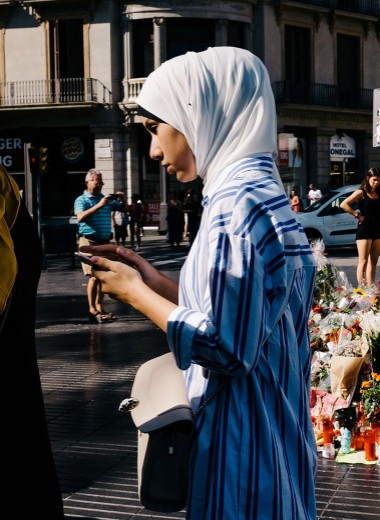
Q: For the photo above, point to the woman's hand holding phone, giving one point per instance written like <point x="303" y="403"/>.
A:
<point x="86" y="259"/>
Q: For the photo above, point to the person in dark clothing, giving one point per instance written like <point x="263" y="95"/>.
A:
<point x="176" y="223"/>
<point x="193" y="208"/>
<point x="367" y="198"/>
<point x="136" y="212"/>
<point x="31" y="470"/>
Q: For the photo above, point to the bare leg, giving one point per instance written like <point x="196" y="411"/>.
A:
<point x="99" y="297"/>
<point x="93" y="290"/>
<point x="364" y="247"/>
<point x="372" y="261"/>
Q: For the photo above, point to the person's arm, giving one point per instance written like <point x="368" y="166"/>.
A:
<point x="154" y="279"/>
<point x="125" y="284"/>
<point x="346" y="204"/>
<point x="84" y="215"/>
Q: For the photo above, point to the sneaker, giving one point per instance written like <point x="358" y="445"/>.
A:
<point x="137" y="248"/>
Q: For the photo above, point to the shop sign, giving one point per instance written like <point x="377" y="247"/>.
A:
<point x="12" y="153"/>
<point x="72" y="149"/>
<point x="342" y="147"/>
<point x="151" y="213"/>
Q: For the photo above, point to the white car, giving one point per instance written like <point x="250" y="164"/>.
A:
<point x="325" y="219"/>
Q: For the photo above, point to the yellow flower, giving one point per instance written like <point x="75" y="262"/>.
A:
<point x="370" y="391"/>
<point x="360" y="291"/>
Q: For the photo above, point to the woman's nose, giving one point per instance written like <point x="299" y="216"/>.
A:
<point x="155" y="152"/>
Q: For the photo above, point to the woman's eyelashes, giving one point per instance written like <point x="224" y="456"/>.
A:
<point x="151" y="127"/>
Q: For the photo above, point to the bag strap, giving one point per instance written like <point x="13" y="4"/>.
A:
<point x="210" y="398"/>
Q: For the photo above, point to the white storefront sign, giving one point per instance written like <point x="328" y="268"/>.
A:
<point x="342" y="147"/>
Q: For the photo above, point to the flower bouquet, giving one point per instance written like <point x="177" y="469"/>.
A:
<point x="370" y="324"/>
<point x="370" y="394"/>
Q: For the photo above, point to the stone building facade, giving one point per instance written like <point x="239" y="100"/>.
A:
<point x="70" y="71"/>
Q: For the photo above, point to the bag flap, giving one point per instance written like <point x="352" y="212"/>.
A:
<point x="182" y="416"/>
<point x="159" y="387"/>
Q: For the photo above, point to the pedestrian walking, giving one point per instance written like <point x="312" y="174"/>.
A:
<point x="120" y="221"/>
<point x="176" y="221"/>
<point x="136" y="212"/>
<point x="296" y="201"/>
<point x="314" y="193"/>
<point x="237" y="322"/>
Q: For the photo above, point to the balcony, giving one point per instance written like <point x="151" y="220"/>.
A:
<point x="322" y="95"/>
<point x="54" y="92"/>
<point x="364" y="7"/>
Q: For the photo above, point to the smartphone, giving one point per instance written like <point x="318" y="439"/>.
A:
<point x="87" y="260"/>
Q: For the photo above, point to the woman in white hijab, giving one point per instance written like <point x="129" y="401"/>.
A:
<point x="237" y="323"/>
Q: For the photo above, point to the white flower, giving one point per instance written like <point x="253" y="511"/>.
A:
<point x="370" y="323"/>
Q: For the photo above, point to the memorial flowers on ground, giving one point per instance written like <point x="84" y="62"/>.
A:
<point x="344" y="326"/>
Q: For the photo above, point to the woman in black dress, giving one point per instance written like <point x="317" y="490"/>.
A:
<point x="367" y="198"/>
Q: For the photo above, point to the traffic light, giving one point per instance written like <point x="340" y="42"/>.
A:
<point x="43" y="160"/>
<point x="33" y="161"/>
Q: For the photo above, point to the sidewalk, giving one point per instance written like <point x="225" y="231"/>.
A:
<point x="86" y="370"/>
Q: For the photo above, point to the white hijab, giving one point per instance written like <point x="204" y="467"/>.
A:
<point x="221" y="100"/>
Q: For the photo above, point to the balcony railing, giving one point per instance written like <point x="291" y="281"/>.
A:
<point x="134" y="85"/>
<point x="324" y="95"/>
<point x="55" y="91"/>
<point x="366" y="7"/>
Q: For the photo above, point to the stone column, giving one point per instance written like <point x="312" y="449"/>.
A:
<point x="159" y="34"/>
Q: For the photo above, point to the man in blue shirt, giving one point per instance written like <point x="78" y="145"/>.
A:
<point x="93" y="211"/>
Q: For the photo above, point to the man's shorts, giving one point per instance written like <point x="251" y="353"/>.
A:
<point x="83" y="241"/>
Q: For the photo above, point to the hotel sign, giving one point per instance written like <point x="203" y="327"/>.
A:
<point x="342" y="147"/>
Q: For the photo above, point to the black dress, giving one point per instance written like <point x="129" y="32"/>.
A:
<point x="176" y="222"/>
<point x="369" y="228"/>
<point x="28" y="466"/>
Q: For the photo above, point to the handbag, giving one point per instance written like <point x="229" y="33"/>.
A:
<point x="162" y="414"/>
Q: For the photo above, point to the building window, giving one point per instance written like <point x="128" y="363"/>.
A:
<point x="180" y="35"/>
<point x="143" y="53"/>
<point x="66" y="49"/>
<point x="235" y="35"/>
<point x="348" y="69"/>
<point x="297" y="56"/>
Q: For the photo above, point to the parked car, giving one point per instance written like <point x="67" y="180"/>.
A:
<point x="325" y="219"/>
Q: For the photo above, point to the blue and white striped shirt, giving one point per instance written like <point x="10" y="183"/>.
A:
<point x="245" y="294"/>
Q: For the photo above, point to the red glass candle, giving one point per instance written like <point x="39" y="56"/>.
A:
<point x="328" y="432"/>
<point x="369" y="445"/>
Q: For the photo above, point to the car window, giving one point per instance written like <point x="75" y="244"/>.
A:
<point x="334" y="207"/>
<point x="321" y="202"/>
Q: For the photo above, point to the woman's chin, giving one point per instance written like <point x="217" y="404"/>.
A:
<point x="183" y="176"/>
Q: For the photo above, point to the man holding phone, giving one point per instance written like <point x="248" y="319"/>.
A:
<point x="93" y="210"/>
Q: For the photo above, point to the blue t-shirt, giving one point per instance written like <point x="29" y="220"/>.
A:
<point x="99" y="224"/>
